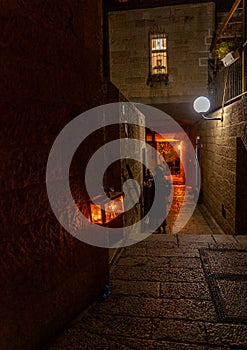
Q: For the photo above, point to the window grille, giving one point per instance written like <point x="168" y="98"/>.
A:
<point x="158" y="69"/>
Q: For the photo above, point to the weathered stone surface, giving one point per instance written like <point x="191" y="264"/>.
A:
<point x="227" y="334"/>
<point x="179" y="331"/>
<point x="184" y="275"/>
<point x="176" y="252"/>
<point x="160" y="241"/>
<point x="129" y="306"/>
<point x="144" y="260"/>
<point x="185" y="290"/>
<point x="226" y="261"/>
<point x="162" y="345"/>
<point x="233" y="295"/>
<point x="140" y="273"/>
<point x="134" y="251"/>
<point x="202" y="310"/>
<point x="117" y="325"/>
<point x="140" y="288"/>
<point x="192" y="239"/>
<point x="193" y="263"/>
<point x="87" y="341"/>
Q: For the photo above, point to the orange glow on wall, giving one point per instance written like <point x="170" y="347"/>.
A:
<point x="96" y="214"/>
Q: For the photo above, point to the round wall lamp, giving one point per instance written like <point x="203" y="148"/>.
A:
<point x="202" y="105"/>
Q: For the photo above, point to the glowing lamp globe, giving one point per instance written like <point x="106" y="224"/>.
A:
<point x="201" y="104"/>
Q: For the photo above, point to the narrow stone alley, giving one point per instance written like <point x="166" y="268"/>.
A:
<point x="94" y="96"/>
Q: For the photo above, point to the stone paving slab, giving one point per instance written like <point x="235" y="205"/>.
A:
<point x="162" y="238"/>
<point x="188" y="309"/>
<point x="87" y="341"/>
<point x="225" y="239"/>
<point x="130" y="306"/>
<point x="193" y="245"/>
<point x="119" y="325"/>
<point x="134" y="251"/>
<point x="195" y="238"/>
<point x="142" y="288"/>
<point x="183" y="252"/>
<point x="183" y="274"/>
<point x="179" y="331"/>
<point x="185" y="346"/>
<point x="234" y="297"/>
<point x="226" y="274"/>
<point x="227" y="334"/>
<point x="225" y="245"/>
<point x="161" y="243"/>
<point x="185" y="290"/>
<point x="191" y="263"/>
<point x="140" y="273"/>
<point x="144" y="260"/>
<point x="162" y="298"/>
<point x="92" y="341"/>
<point x="226" y="261"/>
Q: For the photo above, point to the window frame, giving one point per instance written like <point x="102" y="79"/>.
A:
<point x="163" y="75"/>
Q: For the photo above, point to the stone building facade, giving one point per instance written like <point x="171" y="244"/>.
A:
<point x="189" y="29"/>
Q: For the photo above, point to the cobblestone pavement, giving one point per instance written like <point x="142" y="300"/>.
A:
<point x="169" y="292"/>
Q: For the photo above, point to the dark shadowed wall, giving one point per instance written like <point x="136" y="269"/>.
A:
<point x="50" y="72"/>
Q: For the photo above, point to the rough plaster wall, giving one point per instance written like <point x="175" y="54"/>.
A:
<point x="50" y="72"/>
<point x="189" y="28"/>
<point x="218" y="162"/>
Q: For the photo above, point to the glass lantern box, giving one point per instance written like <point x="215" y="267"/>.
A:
<point x="113" y="207"/>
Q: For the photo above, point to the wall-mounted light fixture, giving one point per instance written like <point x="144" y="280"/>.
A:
<point x="202" y="105"/>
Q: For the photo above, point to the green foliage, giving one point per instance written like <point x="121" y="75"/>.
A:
<point x="225" y="47"/>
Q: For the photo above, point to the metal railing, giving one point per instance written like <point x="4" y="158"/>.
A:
<point x="229" y="82"/>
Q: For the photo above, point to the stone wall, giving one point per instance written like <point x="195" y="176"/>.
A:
<point x="50" y="72"/>
<point x="189" y="28"/>
<point x="223" y="166"/>
<point x="131" y="169"/>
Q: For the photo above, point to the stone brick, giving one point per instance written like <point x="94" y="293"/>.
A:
<point x="179" y="331"/>
<point x="224" y="334"/>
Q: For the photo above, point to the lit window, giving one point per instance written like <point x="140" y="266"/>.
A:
<point x="158" y="58"/>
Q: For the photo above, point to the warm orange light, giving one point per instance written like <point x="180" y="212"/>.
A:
<point x="111" y="210"/>
<point x="114" y="208"/>
<point x="96" y="214"/>
<point x="166" y="138"/>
